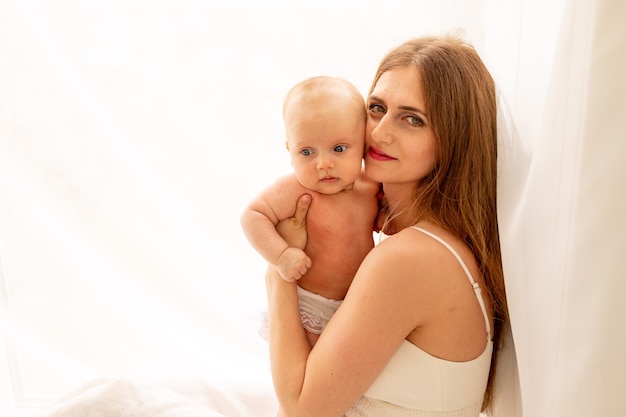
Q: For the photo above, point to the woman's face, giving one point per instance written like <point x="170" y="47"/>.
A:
<point x="400" y="143"/>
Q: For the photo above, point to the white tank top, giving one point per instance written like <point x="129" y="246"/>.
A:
<point x="415" y="383"/>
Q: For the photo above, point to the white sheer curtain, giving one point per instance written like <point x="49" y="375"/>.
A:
<point x="132" y="133"/>
<point x="563" y="198"/>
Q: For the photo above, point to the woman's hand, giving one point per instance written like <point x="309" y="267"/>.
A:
<point x="289" y="346"/>
<point x="293" y="229"/>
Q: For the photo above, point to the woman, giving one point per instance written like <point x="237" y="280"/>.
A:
<point x="415" y="335"/>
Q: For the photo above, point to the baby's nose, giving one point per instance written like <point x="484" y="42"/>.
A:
<point x="324" y="162"/>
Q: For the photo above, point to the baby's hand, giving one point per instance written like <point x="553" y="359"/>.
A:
<point x="292" y="264"/>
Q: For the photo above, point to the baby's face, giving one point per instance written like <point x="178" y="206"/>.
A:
<point x="326" y="146"/>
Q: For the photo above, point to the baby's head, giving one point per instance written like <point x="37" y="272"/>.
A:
<point x="325" y="128"/>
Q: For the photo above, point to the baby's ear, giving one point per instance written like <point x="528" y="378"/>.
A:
<point x="287" y="145"/>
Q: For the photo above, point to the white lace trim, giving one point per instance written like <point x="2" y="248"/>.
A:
<point x="368" y="407"/>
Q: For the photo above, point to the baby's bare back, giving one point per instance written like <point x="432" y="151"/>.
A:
<point x="340" y="234"/>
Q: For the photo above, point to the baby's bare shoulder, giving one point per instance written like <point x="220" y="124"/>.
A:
<point x="278" y="200"/>
<point x="287" y="180"/>
<point x="285" y="187"/>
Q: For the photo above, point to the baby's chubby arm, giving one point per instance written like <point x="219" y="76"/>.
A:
<point x="259" y="220"/>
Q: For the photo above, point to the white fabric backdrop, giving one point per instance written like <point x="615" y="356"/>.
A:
<point x="563" y="198"/>
<point x="132" y="134"/>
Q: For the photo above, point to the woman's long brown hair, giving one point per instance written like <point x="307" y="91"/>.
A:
<point x="460" y="193"/>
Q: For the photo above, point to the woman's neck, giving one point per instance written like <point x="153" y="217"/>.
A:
<point x="400" y="203"/>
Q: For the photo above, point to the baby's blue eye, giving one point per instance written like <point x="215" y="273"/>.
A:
<point x="340" y="148"/>
<point x="306" y="152"/>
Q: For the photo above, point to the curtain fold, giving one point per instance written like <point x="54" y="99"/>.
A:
<point x="563" y="195"/>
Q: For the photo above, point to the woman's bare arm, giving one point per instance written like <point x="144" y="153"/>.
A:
<point x="377" y="314"/>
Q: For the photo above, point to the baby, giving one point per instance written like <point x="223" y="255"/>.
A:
<point x="324" y="121"/>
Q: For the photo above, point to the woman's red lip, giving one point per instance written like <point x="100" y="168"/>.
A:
<point x="379" y="155"/>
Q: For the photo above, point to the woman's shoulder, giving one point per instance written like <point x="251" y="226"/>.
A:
<point x="403" y="254"/>
<point x="412" y="240"/>
<point x="411" y="273"/>
<point x="425" y="246"/>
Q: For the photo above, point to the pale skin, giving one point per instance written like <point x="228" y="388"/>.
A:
<point x="408" y="287"/>
<point x="325" y="140"/>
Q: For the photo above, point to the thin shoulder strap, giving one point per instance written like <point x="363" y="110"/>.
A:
<point x="475" y="285"/>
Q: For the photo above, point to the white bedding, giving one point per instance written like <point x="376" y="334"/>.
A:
<point x="125" y="397"/>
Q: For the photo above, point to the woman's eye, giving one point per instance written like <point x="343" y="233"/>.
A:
<point x="415" y="121"/>
<point x="340" y="148"/>
<point x="376" y="108"/>
<point x="306" y="152"/>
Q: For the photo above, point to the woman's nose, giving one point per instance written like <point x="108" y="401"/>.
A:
<point x="381" y="132"/>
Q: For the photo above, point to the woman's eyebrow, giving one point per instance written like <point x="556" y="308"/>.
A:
<point x="405" y="108"/>
<point x="413" y="109"/>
